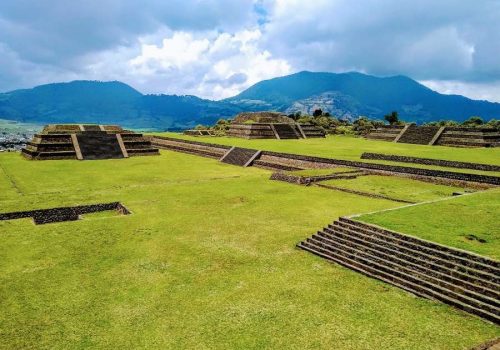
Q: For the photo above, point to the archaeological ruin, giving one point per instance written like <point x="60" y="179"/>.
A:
<point x="271" y="125"/>
<point x="87" y="142"/>
<point x="435" y="135"/>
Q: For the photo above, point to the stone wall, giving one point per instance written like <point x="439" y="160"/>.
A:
<point x="294" y="158"/>
<point x="45" y="216"/>
<point x="420" y="135"/>
<point x="429" y="161"/>
<point x="304" y="162"/>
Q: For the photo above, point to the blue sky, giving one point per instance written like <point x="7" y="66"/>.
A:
<point x="215" y="49"/>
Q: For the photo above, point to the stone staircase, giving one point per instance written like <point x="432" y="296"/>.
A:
<point x="458" y="278"/>
<point x="469" y="137"/>
<point x="418" y="135"/>
<point x="311" y="131"/>
<point x="75" y="141"/>
<point x="240" y="156"/>
<point x="385" y="133"/>
<point x="287" y="131"/>
<point x="99" y="145"/>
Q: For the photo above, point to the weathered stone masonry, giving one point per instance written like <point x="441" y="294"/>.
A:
<point x="45" y="216"/>
<point x="464" y="280"/>
<point x="429" y="161"/>
<point x="301" y="161"/>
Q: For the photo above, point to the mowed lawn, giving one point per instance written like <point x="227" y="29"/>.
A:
<point x="206" y="260"/>
<point x="396" y="187"/>
<point x="470" y="222"/>
<point x="351" y="148"/>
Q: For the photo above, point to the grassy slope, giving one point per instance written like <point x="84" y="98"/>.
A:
<point x="448" y="222"/>
<point x="396" y="187"/>
<point x="351" y="148"/>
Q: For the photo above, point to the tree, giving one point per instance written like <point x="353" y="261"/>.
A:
<point x="493" y="123"/>
<point x="473" y="121"/>
<point x="392" y="118"/>
<point x="317" y="113"/>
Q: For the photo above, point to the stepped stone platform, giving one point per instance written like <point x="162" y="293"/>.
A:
<point x="203" y="149"/>
<point x="87" y="142"/>
<point x="240" y="156"/>
<point x="430" y="161"/>
<point x="464" y="280"/>
<point x="385" y="132"/>
<point x="274" y="131"/>
<point x="270" y="125"/>
<point x="443" y="136"/>
<point x="469" y="137"/>
<point x="46" y="216"/>
<point x="419" y="135"/>
<point x="288" y="161"/>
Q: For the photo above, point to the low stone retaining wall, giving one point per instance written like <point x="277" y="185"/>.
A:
<point x="156" y="139"/>
<point x="307" y="180"/>
<point x="45" y="216"/>
<point x="490" y="345"/>
<point x="302" y="161"/>
<point x="430" y="161"/>
<point x="486" y="179"/>
<point x="366" y="194"/>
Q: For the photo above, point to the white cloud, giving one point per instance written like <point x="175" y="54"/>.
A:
<point x="489" y="91"/>
<point x="216" y="48"/>
<point x="223" y="63"/>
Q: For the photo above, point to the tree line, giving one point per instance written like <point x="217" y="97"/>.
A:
<point x="360" y="126"/>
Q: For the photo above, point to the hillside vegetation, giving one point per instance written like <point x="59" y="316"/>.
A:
<point x="345" y="95"/>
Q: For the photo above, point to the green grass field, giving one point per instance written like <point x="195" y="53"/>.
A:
<point x="320" y="172"/>
<point x="351" y="148"/>
<point x="459" y="222"/>
<point x="396" y="187"/>
<point x="206" y="260"/>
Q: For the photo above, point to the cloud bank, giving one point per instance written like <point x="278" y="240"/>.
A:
<point x="215" y="49"/>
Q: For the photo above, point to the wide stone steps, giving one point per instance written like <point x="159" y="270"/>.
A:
<point x="453" y="272"/>
<point x="391" y="265"/>
<point x="447" y="253"/>
<point x="400" y="280"/>
<point x="467" y="281"/>
<point x="420" y="267"/>
<point x="48" y="155"/>
<point x="239" y="156"/>
<point x="286" y="131"/>
<point x="380" y="136"/>
<point x="418" y="135"/>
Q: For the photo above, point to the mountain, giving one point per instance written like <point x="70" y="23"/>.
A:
<point x="345" y="95"/>
<point x="352" y="94"/>
<point x="108" y="103"/>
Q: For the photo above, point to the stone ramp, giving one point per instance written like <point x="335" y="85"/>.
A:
<point x="99" y="146"/>
<point x="286" y="131"/>
<point x="418" y="135"/>
<point x="458" y="278"/>
<point x="240" y="156"/>
<point x="385" y="133"/>
<point x="430" y="161"/>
